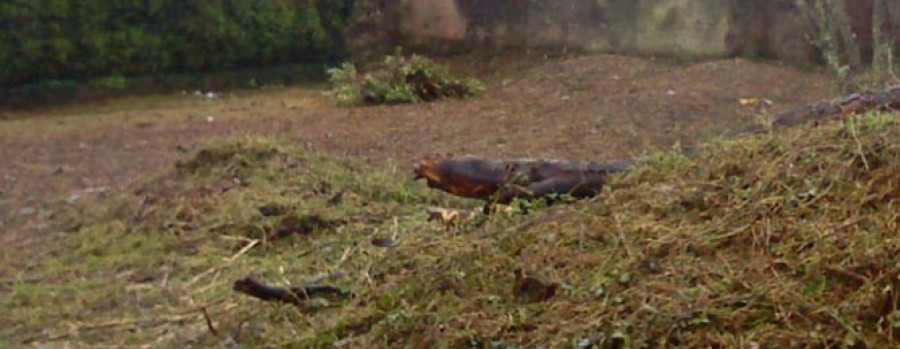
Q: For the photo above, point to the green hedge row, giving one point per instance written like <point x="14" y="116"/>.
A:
<point x="47" y="40"/>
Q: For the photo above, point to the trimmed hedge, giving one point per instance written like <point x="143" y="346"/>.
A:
<point x="46" y="40"/>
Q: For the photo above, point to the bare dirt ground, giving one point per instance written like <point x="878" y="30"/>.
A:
<point x="585" y="107"/>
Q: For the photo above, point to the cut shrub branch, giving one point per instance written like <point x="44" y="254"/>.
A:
<point x="399" y="80"/>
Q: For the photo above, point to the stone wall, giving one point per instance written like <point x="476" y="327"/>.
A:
<point x="693" y="28"/>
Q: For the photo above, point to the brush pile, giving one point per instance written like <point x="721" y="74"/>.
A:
<point x="780" y="240"/>
<point x="399" y="79"/>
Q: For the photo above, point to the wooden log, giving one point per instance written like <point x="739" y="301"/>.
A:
<point x="885" y="99"/>
<point x="501" y="181"/>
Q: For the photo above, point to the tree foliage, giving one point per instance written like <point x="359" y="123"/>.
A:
<point x="46" y="40"/>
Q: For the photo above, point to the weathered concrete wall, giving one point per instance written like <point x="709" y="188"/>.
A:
<point x="767" y="28"/>
<point x="671" y="26"/>
<point x="428" y="19"/>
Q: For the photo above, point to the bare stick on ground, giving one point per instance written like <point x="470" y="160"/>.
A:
<point x="293" y="295"/>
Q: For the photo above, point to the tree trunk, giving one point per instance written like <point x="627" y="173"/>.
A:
<point x="881" y="58"/>
<point x="848" y="38"/>
<point x="822" y="15"/>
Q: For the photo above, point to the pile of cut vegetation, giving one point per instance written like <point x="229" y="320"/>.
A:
<point x="399" y="79"/>
<point x="783" y="240"/>
<point x="788" y="239"/>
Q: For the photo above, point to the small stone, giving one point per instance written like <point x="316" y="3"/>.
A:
<point x="73" y="199"/>
<point x="585" y="343"/>
<point x="230" y="343"/>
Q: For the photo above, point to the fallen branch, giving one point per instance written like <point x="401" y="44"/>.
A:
<point x="886" y="99"/>
<point x="293" y="295"/>
<point x="209" y="323"/>
<point x="501" y="181"/>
